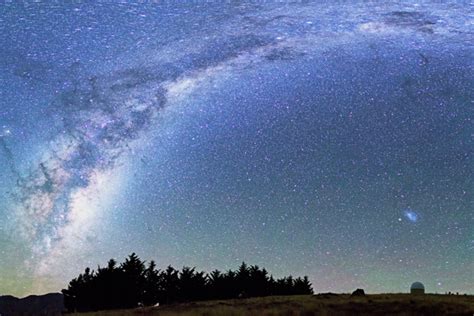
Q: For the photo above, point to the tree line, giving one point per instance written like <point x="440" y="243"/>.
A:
<point x="134" y="283"/>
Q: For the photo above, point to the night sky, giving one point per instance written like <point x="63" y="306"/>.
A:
<point x="319" y="139"/>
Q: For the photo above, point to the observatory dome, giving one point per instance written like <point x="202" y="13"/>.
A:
<point x="417" y="288"/>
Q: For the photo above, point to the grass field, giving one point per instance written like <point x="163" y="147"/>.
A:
<point x="322" y="304"/>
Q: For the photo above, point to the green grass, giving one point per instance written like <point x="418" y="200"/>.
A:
<point x="380" y="304"/>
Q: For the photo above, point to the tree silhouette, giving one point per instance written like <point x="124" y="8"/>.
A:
<point x="108" y="285"/>
<point x="133" y="283"/>
<point x="259" y="282"/>
<point x="151" y="289"/>
<point x="216" y="285"/>
<point x="170" y="283"/>
<point x="302" y="286"/>
<point x="231" y="284"/>
<point x="192" y="285"/>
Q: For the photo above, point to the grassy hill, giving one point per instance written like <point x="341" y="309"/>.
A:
<point x="322" y="304"/>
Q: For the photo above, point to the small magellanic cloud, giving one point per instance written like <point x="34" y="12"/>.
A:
<point x="412" y="215"/>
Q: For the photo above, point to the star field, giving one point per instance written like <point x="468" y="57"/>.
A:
<point x="319" y="139"/>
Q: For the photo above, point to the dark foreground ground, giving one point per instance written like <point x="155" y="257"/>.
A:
<point x="322" y="304"/>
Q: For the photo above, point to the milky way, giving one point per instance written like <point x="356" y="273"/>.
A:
<point x="320" y="139"/>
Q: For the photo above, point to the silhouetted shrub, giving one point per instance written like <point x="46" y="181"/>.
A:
<point x="358" y="292"/>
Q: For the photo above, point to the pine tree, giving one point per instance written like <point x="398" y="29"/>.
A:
<point x="152" y="285"/>
<point x="134" y="281"/>
<point x="170" y="287"/>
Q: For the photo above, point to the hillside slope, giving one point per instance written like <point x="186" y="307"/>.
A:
<point x="322" y="304"/>
<point x="51" y="304"/>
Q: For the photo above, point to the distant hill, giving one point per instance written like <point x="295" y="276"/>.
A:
<point x="45" y="305"/>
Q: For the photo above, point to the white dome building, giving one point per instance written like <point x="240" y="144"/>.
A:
<point x="417" y="288"/>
